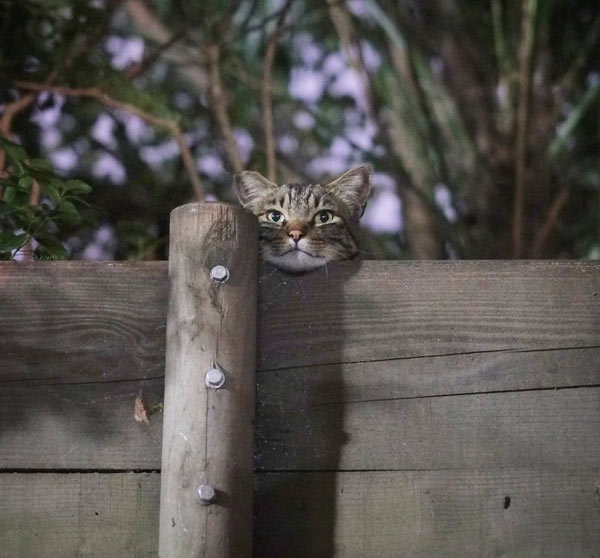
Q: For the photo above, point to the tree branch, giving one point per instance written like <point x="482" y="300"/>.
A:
<point x="505" y="70"/>
<point x="543" y="233"/>
<point x="422" y="218"/>
<point x="35" y="194"/>
<point x="526" y="51"/>
<point x="9" y="112"/>
<point x="103" y="98"/>
<point x="14" y="108"/>
<point x="265" y="92"/>
<point x="188" y="58"/>
<point x="218" y="102"/>
<point x="342" y="21"/>
<point x="463" y="71"/>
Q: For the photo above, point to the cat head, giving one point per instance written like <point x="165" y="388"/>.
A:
<point x="304" y="226"/>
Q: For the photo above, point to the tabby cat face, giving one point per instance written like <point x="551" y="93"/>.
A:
<point x="302" y="227"/>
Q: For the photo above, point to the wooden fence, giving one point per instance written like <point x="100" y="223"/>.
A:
<point x="403" y="409"/>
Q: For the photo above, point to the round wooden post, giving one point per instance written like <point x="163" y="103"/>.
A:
<point x="208" y="427"/>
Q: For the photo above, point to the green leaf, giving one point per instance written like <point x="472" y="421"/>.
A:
<point x="51" y="190"/>
<point x="10" y="194"/>
<point x="41" y="175"/>
<point x="10" y="241"/>
<point x="67" y="207"/>
<point x="49" y="246"/>
<point x="40" y="165"/>
<point x="77" y="187"/>
<point x="68" y="213"/>
<point x="25" y="182"/>
<point x="13" y="150"/>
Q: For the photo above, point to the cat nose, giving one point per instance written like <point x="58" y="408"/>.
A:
<point x="296" y="235"/>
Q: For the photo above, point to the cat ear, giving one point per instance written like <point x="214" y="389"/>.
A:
<point x="251" y="186"/>
<point x="353" y="187"/>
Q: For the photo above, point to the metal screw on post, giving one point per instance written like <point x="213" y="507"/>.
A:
<point x="219" y="274"/>
<point x="214" y="379"/>
<point x="206" y="494"/>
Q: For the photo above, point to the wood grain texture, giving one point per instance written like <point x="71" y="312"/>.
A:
<point x="208" y="434"/>
<point x="430" y="385"/>
<point x="82" y="321"/>
<point x="532" y="429"/>
<point x="378" y="310"/>
<point x="79" y="426"/>
<point x="109" y="318"/>
<point x="91" y="426"/>
<point x="379" y="514"/>
<point x="66" y="515"/>
<point x="429" y="376"/>
<point x="423" y="514"/>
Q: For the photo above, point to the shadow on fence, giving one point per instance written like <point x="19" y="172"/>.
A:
<point x="281" y="391"/>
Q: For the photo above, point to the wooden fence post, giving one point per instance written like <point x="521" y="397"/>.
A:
<point x="208" y="428"/>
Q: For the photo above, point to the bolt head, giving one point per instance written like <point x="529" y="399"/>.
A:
<point x="219" y="274"/>
<point x="214" y="378"/>
<point x="206" y="494"/>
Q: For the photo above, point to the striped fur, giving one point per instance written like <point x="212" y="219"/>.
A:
<point x="304" y="226"/>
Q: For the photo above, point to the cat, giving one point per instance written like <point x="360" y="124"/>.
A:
<point x="305" y="226"/>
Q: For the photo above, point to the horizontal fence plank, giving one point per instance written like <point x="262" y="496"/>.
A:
<point x="429" y="376"/>
<point x="109" y="318"/>
<point x="379" y="310"/>
<point x="82" y="321"/>
<point x="515" y="513"/>
<point x="537" y="429"/>
<point x="354" y="419"/>
<point x="78" y="426"/>
<point x="48" y="515"/>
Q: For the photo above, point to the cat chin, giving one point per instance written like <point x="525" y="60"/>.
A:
<point x="295" y="261"/>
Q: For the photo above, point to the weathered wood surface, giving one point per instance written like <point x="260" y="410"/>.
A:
<point x="208" y="434"/>
<point x="378" y="514"/>
<point x="66" y="515"/>
<point x="425" y="514"/>
<point x="387" y="310"/>
<point x="110" y="317"/>
<point x="430" y="376"/>
<point x="444" y="367"/>
<point x="532" y="429"/>
<point x="79" y="426"/>
<point x="91" y="426"/>
<point x="82" y="321"/>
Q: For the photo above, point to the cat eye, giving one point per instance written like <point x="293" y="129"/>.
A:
<point x="275" y="216"/>
<point x="323" y="217"/>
